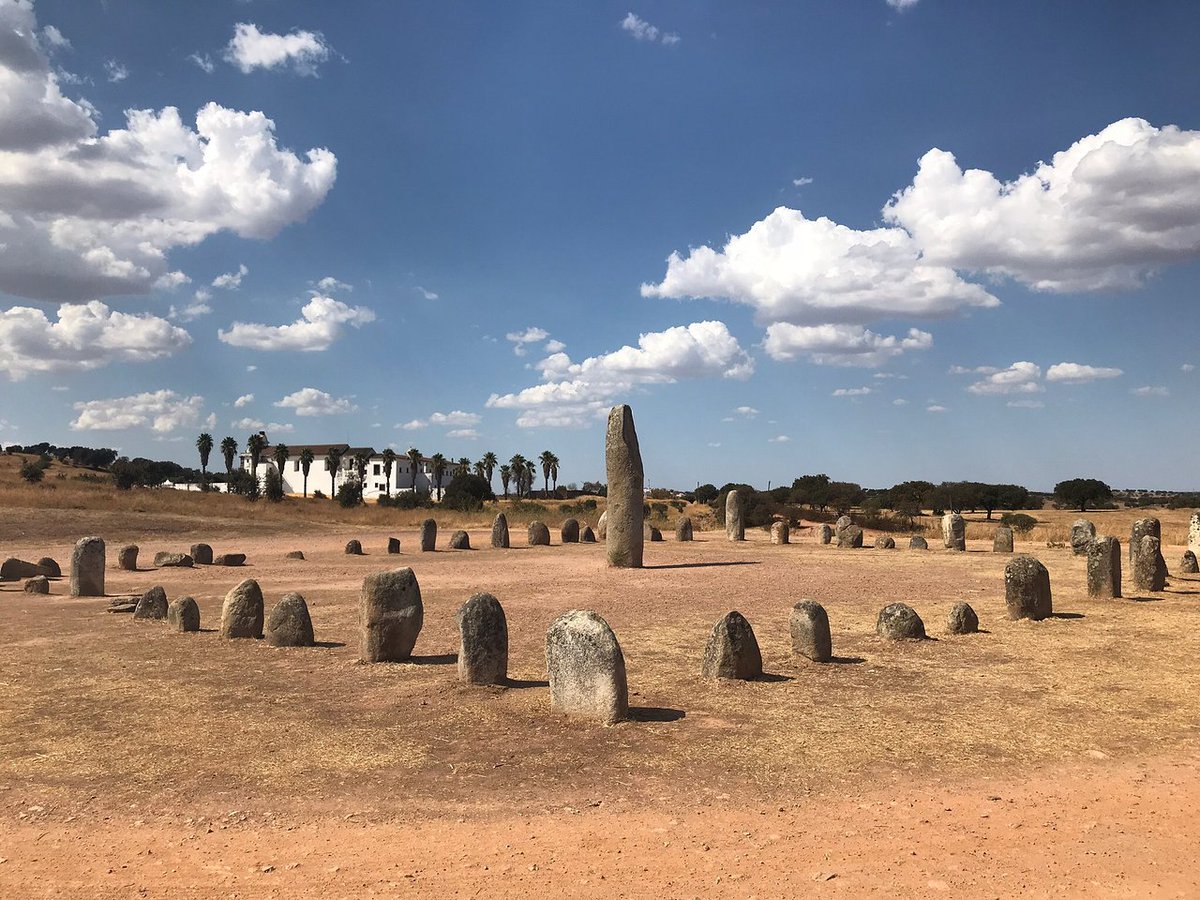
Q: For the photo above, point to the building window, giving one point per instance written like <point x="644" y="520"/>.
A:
<point x="376" y="472"/>
<point x="297" y="466"/>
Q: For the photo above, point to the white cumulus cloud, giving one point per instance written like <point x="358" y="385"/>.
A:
<point x="251" y="48"/>
<point x="322" y="321"/>
<point x="1077" y="373"/>
<point x="531" y="335"/>
<point x="329" y="284"/>
<point x="163" y="411"/>
<point x="83" y="336"/>
<point x="1019" y="378"/>
<point x="466" y="434"/>
<point x="1151" y="391"/>
<point x="244" y="400"/>
<point x="840" y="345"/>
<point x="572" y="394"/>
<point x="852" y="392"/>
<point x="312" y="402"/>
<point x="641" y="30"/>
<point x="231" y="281"/>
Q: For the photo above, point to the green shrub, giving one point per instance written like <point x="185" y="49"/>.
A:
<point x="1019" y="522"/>
<point x="31" y="472"/>
<point x="318" y="495"/>
<point x="349" y="493"/>
<point x="467" y="493"/>
<point x="273" y="485"/>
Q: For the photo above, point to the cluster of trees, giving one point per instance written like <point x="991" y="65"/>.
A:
<point x="91" y="457"/>
<point x="141" y="472"/>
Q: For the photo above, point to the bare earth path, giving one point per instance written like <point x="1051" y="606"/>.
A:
<point x="1046" y="759"/>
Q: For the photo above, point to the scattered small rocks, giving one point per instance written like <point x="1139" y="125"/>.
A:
<point x="539" y="535"/>
<point x="962" y="620"/>
<point x="290" y="624"/>
<point x="183" y="614"/>
<point x="1027" y="589"/>
<point x="354" y="548"/>
<point x="152" y="605"/>
<point x="483" y="641"/>
<point x="732" y="650"/>
<point x="242" y="611"/>
<point x="586" y="668"/>
<point x="809" y="626"/>
<point x="391" y="614"/>
<point x="201" y="554"/>
<point x="166" y="560"/>
<point x="460" y="540"/>
<point x="122" y="605"/>
<point x="899" y="621"/>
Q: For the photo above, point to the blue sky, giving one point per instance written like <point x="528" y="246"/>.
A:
<point x="459" y="232"/>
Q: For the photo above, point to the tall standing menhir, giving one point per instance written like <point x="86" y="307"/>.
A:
<point x="626" y="486"/>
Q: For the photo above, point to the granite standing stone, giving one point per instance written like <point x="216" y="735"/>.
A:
<point x="824" y="534"/>
<point x="483" y="641"/>
<point x="500" y="532"/>
<point x="354" y="548"/>
<point x="885" y="542"/>
<point x="850" y="537"/>
<point x="152" y="604"/>
<point x="1027" y="589"/>
<point x="290" y="625"/>
<point x="954" y="531"/>
<point x="1083" y="533"/>
<point x="809" y="626"/>
<point x="962" y="620"/>
<point x="602" y="526"/>
<point x="780" y="532"/>
<point x="1187" y="565"/>
<point x="569" y="532"/>
<point x="652" y="534"/>
<point x="201" y="554"/>
<point x="1149" y="568"/>
<point x="87" y="568"/>
<point x="683" y="529"/>
<point x="735" y="523"/>
<point x="841" y="525"/>
<point x="393" y="545"/>
<point x="127" y="558"/>
<point x="587" y="536"/>
<point x="538" y="535"/>
<point x="584" y="661"/>
<point x="391" y="616"/>
<point x="899" y="621"/>
<point x="242" y="611"/>
<point x="1104" y="568"/>
<point x="916" y="542"/>
<point x="183" y="614"/>
<point x="38" y="584"/>
<point x="1140" y="529"/>
<point x="732" y="650"/>
<point x="621" y="524"/>
<point x="1002" y="540"/>
<point x="460" y="540"/>
<point x="428" y="536"/>
<point x="1194" y="533"/>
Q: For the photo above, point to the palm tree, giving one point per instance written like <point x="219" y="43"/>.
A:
<point x="255" y="446"/>
<point x="280" y="456"/>
<point x="479" y="469"/>
<point x="439" y="469"/>
<point x="517" y="462"/>
<point x="547" y="461"/>
<point x="204" y="444"/>
<point x="505" y="478"/>
<point x="306" y="461"/>
<point x="414" y="460"/>
<point x="333" y="462"/>
<point x="489" y="466"/>
<point x="530" y="474"/>
<point x="463" y="467"/>
<point x="554" y="471"/>
<point x="229" y="449"/>
<point x="361" y="458"/>
<point x="389" y="458"/>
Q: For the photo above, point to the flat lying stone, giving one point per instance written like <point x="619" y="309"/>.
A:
<point x="38" y="584"/>
<point x="294" y="554"/>
<point x="166" y="560"/>
<point x="231" y="559"/>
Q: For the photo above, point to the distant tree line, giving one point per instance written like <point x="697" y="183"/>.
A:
<point x="91" y="457"/>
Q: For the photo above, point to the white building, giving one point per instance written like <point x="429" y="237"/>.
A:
<point x="375" y="480"/>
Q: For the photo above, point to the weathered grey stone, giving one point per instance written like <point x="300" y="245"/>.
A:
<point x="14" y="569"/>
<point x="683" y="529"/>
<point x="1083" y="533"/>
<point x="294" y="554"/>
<point x="500" y="532"/>
<point x="585" y="664"/>
<point x="1194" y="533"/>
<point x="152" y="604"/>
<point x="652" y="534"/>
<point x="569" y="532"/>
<point x="885" y="542"/>
<point x="127" y="558"/>
<point x="1002" y="540"/>
<point x="393" y="545"/>
<point x="621" y="524"/>
<point x="539" y="535"/>
<point x="483" y="641"/>
<point x="954" y="531"/>
<point x="87" y="568"/>
<point x="183" y="614"/>
<point x="391" y="616"/>
<point x="1104" y="568"/>
<point x="289" y="624"/>
<point x="962" y="620"/>
<point x="809" y="626"/>
<point x="1140" y="529"/>
<point x="123" y="605"/>
<point x="201" y="554"/>
<point x="899" y="621"/>
<point x="850" y="537"/>
<point x="1027" y="589"/>
<point x="916" y="542"/>
<point x="242" y="611"/>
<point x="587" y="536"/>
<point x="354" y="548"/>
<point x="231" y="559"/>
<point x="735" y="522"/>
<point x="602" y="526"/>
<point x="164" y="559"/>
<point x="1187" y="565"/>
<point x="38" y="584"/>
<point x="428" y="536"/>
<point x="842" y="524"/>
<point x="49" y="567"/>
<point x="460" y="540"/>
<point x="732" y="650"/>
<point x="780" y="532"/>
<point x="1149" y="568"/>
<point x="824" y="534"/>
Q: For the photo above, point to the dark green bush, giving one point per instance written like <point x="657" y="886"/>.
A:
<point x="1019" y="522"/>
<point x="349" y="493"/>
<point x="273" y="486"/>
<point x="31" y="472"/>
<point x="467" y="492"/>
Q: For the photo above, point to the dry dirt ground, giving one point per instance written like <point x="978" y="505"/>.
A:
<point x="1046" y="759"/>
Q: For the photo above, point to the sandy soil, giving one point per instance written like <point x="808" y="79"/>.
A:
<point x="1053" y="758"/>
